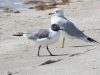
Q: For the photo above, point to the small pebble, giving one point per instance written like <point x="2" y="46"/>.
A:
<point x="31" y="7"/>
<point x="17" y="11"/>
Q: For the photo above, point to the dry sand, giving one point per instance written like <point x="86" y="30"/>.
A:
<point x="18" y="55"/>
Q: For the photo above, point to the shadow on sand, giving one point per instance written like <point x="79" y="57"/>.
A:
<point x="54" y="55"/>
<point x="83" y="46"/>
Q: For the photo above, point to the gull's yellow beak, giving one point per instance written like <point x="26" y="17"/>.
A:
<point x="51" y="13"/>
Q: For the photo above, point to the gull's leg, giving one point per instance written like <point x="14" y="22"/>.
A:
<point x="49" y="51"/>
<point x="62" y="43"/>
<point x="39" y="50"/>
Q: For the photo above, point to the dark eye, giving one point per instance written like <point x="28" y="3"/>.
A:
<point x="56" y="11"/>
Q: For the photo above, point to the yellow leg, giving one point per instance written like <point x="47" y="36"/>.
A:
<point x="62" y="43"/>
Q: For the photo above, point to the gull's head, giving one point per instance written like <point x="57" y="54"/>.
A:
<point x="57" y="12"/>
<point x="55" y="27"/>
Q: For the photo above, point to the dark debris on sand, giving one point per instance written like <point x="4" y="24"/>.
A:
<point x="41" y="5"/>
<point x="50" y="62"/>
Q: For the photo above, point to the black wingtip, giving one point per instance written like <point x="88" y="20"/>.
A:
<point x="92" y="40"/>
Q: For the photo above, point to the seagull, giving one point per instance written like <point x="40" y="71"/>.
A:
<point x="70" y="30"/>
<point x="43" y="36"/>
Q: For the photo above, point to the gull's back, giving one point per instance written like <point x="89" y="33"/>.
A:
<point x="43" y="36"/>
<point x="69" y="27"/>
<point x="37" y="34"/>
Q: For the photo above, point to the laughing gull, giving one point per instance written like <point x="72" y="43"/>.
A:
<point x="70" y="30"/>
<point x="43" y="36"/>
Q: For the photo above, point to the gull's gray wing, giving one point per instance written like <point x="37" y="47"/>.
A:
<point x="70" y="28"/>
<point x="38" y="34"/>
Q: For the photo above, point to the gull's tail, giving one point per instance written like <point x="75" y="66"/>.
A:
<point x="18" y="34"/>
<point x="92" y="40"/>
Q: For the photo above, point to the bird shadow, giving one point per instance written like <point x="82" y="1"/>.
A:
<point x="83" y="46"/>
<point x="54" y="55"/>
<point x="88" y="50"/>
<point x="50" y="62"/>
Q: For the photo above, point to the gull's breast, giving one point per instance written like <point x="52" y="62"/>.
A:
<point x="54" y="37"/>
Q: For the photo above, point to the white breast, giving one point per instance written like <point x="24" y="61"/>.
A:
<point x="54" y="20"/>
<point x="53" y="37"/>
<point x="65" y="34"/>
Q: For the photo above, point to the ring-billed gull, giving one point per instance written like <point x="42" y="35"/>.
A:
<point x="43" y="36"/>
<point x="70" y="30"/>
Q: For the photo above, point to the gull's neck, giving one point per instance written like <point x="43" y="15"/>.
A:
<point x="52" y="30"/>
<point x="59" y="15"/>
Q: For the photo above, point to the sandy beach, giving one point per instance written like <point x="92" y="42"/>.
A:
<point x="18" y="55"/>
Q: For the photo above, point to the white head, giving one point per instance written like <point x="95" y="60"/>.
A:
<point x="58" y="12"/>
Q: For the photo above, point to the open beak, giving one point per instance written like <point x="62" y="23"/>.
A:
<point x="51" y="13"/>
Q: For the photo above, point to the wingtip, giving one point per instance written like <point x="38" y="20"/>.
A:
<point x="92" y="40"/>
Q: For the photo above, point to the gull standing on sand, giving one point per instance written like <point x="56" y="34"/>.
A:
<point x="70" y="30"/>
<point x="43" y="36"/>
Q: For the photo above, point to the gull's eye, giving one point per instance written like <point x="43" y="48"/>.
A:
<point x="55" y="26"/>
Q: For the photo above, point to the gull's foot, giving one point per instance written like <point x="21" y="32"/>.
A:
<point x="60" y="47"/>
<point x="53" y="55"/>
<point x="38" y="55"/>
